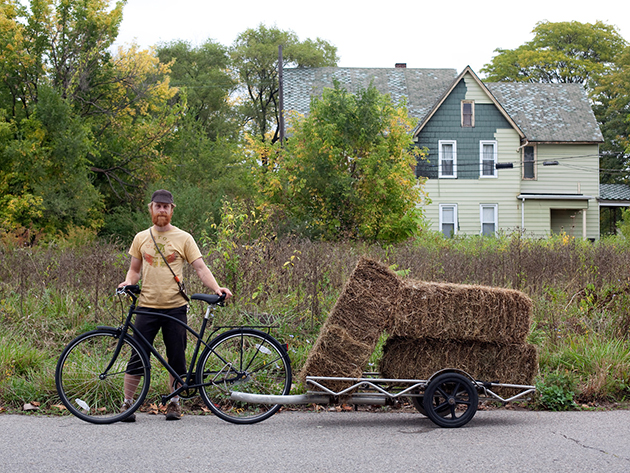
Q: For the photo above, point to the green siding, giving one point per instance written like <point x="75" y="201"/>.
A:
<point x="446" y="125"/>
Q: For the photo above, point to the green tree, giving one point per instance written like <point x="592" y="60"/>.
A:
<point x="255" y="57"/>
<point x="205" y="83"/>
<point x="584" y="53"/>
<point x="611" y="104"/>
<point x="80" y="127"/>
<point x="136" y="115"/>
<point x="205" y="159"/>
<point x="563" y="52"/>
<point x="47" y="166"/>
<point x="347" y="170"/>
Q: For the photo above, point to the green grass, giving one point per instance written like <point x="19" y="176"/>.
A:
<point x="581" y="323"/>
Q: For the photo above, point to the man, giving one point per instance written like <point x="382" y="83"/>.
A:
<point x="152" y="252"/>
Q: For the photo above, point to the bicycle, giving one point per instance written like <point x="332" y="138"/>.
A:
<point x="91" y="369"/>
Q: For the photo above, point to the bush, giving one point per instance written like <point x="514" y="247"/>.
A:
<point x="556" y="391"/>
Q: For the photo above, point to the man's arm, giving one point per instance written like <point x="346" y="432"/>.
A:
<point x="133" y="275"/>
<point x="208" y="279"/>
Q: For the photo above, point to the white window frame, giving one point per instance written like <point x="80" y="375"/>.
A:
<point x="534" y="164"/>
<point x="455" y="218"/>
<point x="494" y="159"/>
<point x="495" y="221"/>
<point x="440" y="144"/>
<point x="472" y="111"/>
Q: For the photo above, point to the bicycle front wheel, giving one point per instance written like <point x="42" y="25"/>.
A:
<point x="86" y="386"/>
<point x="248" y="361"/>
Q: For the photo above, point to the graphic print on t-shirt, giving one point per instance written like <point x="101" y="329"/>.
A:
<point x="155" y="259"/>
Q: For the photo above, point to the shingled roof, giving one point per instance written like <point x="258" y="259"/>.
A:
<point x="549" y="112"/>
<point x="421" y="87"/>
<point x="614" y="192"/>
<point x="543" y="112"/>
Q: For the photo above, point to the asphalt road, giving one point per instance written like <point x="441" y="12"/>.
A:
<point x="497" y="441"/>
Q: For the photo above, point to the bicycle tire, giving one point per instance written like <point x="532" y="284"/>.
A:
<point x="245" y="360"/>
<point x="81" y="384"/>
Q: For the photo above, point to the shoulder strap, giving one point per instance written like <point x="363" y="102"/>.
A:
<point x="182" y="291"/>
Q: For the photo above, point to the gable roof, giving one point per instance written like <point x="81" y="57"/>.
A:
<point x="421" y="87"/>
<point x="539" y="112"/>
<point x="447" y="92"/>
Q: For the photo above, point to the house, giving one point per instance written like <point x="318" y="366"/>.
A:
<point x="502" y="156"/>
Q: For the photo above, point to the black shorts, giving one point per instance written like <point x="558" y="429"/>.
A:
<point x="173" y="334"/>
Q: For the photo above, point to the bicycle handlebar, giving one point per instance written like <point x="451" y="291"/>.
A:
<point x="129" y="289"/>
<point x="134" y="289"/>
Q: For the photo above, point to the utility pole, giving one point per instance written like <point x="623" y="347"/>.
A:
<point x="281" y="96"/>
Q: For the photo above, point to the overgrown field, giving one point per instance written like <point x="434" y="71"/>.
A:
<point x="581" y="294"/>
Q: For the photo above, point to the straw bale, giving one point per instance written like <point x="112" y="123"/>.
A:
<point x="364" y="309"/>
<point x="462" y="312"/>
<point x="368" y="301"/>
<point x="407" y="358"/>
<point x="337" y="354"/>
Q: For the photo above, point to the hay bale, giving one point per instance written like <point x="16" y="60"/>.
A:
<point x="337" y="354"/>
<point x="406" y="358"/>
<point x="462" y="312"/>
<point x="363" y="310"/>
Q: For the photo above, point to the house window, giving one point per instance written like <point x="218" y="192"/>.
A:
<point x="448" y="159"/>
<point x="468" y="113"/>
<point x="487" y="158"/>
<point x="448" y="219"/>
<point x="529" y="162"/>
<point x="489" y="216"/>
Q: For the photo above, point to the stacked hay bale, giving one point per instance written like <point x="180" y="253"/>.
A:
<point x="480" y="330"/>
<point x="432" y="326"/>
<point x="364" y="309"/>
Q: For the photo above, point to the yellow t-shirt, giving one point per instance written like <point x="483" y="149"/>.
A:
<point x="159" y="288"/>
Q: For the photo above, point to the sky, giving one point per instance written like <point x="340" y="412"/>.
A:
<point x="422" y="34"/>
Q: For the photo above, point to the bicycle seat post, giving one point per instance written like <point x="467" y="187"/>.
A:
<point x="209" y="311"/>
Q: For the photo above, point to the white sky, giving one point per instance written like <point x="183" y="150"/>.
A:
<point x="421" y="33"/>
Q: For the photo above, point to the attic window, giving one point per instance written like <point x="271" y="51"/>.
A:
<point x="468" y="113"/>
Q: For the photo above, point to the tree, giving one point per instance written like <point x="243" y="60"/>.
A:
<point x="134" y="117"/>
<point x="255" y="57"/>
<point x="564" y="52"/>
<point x="588" y="54"/>
<point x="47" y="166"/>
<point x="612" y="107"/>
<point x="205" y="84"/>
<point x="81" y="129"/>
<point x="347" y="170"/>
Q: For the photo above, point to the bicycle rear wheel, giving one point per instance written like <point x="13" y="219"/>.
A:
<point x="86" y="389"/>
<point x="248" y="361"/>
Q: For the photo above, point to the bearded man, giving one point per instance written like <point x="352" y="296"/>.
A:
<point x="158" y="255"/>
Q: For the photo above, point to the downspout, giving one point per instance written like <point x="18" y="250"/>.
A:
<point x="522" y="198"/>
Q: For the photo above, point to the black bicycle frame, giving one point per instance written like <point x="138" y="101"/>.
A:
<point x="183" y="385"/>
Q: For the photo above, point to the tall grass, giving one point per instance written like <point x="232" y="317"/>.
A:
<point x="581" y="294"/>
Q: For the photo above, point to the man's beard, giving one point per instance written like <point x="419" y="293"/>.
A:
<point x="161" y="220"/>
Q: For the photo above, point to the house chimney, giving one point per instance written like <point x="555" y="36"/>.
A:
<point x="401" y="65"/>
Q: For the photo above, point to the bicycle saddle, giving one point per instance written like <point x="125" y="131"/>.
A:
<point x="209" y="298"/>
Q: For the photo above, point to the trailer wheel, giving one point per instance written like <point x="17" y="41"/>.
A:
<point x="450" y="400"/>
<point x="418" y="403"/>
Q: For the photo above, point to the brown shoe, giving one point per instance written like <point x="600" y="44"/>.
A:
<point x="132" y="417"/>
<point x="173" y="411"/>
